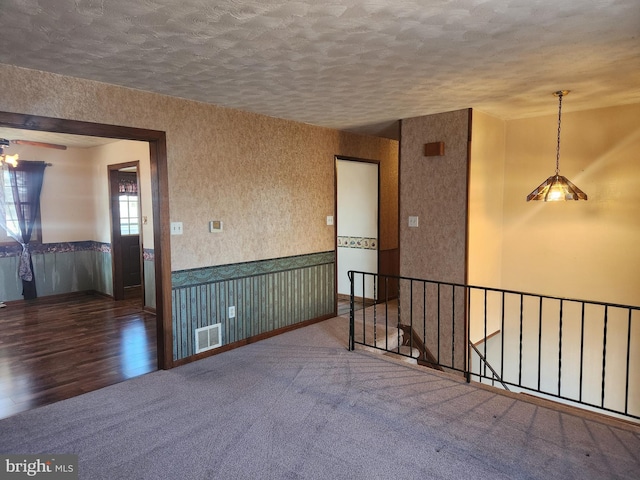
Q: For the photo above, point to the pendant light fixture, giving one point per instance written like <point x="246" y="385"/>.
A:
<point x="556" y="187"/>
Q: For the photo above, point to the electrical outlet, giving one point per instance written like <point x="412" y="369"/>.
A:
<point x="232" y="312"/>
<point x="413" y="221"/>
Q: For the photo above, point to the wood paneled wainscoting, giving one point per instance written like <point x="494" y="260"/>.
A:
<point x="267" y="296"/>
<point x="58" y="347"/>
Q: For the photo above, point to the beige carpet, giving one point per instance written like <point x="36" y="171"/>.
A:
<point x="301" y="406"/>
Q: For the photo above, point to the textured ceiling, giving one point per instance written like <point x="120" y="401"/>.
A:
<point x="68" y="140"/>
<point x="350" y="64"/>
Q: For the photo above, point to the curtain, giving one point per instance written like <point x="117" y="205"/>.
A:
<point x="19" y="211"/>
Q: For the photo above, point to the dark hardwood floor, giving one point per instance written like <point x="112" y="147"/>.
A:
<point x="59" y="348"/>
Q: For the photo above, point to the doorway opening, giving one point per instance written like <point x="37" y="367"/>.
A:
<point x="357" y="227"/>
<point x="126" y="231"/>
<point x="158" y="262"/>
<point x="156" y="141"/>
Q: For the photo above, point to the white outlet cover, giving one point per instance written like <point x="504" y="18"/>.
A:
<point x="232" y="312"/>
<point x="329" y="219"/>
<point x="413" y="221"/>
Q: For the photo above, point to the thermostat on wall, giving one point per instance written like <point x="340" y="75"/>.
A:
<point x="215" y="226"/>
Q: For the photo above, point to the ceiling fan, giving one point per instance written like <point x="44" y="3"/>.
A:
<point x="32" y="143"/>
<point x="12" y="159"/>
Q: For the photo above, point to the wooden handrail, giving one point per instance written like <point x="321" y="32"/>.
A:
<point x="412" y="339"/>
<point x="486" y="338"/>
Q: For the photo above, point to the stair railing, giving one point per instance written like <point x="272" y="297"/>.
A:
<point x="579" y="352"/>
<point x="495" y="376"/>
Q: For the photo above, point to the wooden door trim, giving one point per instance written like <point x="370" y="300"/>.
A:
<point x="335" y="217"/>
<point x="116" y="238"/>
<point x="160" y="201"/>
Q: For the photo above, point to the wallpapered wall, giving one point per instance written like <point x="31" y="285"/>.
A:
<point x="267" y="295"/>
<point x="270" y="181"/>
<point x="435" y="190"/>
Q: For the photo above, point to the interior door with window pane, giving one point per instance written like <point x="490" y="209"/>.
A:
<point x="125" y="231"/>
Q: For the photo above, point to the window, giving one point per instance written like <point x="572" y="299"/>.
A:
<point x="29" y="200"/>
<point x="129" y="219"/>
<point x="10" y="212"/>
<point x="128" y="200"/>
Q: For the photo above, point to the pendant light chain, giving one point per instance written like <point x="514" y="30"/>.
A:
<point x="557" y="187"/>
<point x="559" y="123"/>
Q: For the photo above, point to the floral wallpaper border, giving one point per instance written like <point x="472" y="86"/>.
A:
<point x="14" y="250"/>
<point x="364" y="243"/>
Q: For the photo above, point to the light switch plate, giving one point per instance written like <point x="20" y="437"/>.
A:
<point x="329" y="219"/>
<point x="413" y="221"/>
<point x="176" y="228"/>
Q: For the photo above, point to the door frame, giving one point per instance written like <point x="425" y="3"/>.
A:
<point x="159" y="198"/>
<point x="116" y="237"/>
<point x="361" y="160"/>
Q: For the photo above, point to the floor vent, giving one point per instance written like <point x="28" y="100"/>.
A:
<point x="208" y="337"/>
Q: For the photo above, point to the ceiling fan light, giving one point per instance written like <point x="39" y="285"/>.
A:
<point x="556" y="188"/>
<point x="6" y="158"/>
<point x="12" y="159"/>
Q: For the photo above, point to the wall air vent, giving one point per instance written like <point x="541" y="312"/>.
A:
<point x="208" y="337"/>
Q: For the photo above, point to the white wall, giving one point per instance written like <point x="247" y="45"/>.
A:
<point x="357" y="187"/>
<point x="485" y="214"/>
<point x="583" y="249"/>
<point x="486" y="199"/>
<point x="75" y="193"/>
<point x="561" y="357"/>
<point x="122" y="151"/>
<point x="67" y="194"/>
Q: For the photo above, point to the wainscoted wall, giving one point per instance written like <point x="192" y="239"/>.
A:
<point x="59" y="268"/>
<point x="267" y="295"/>
<point x="66" y="268"/>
